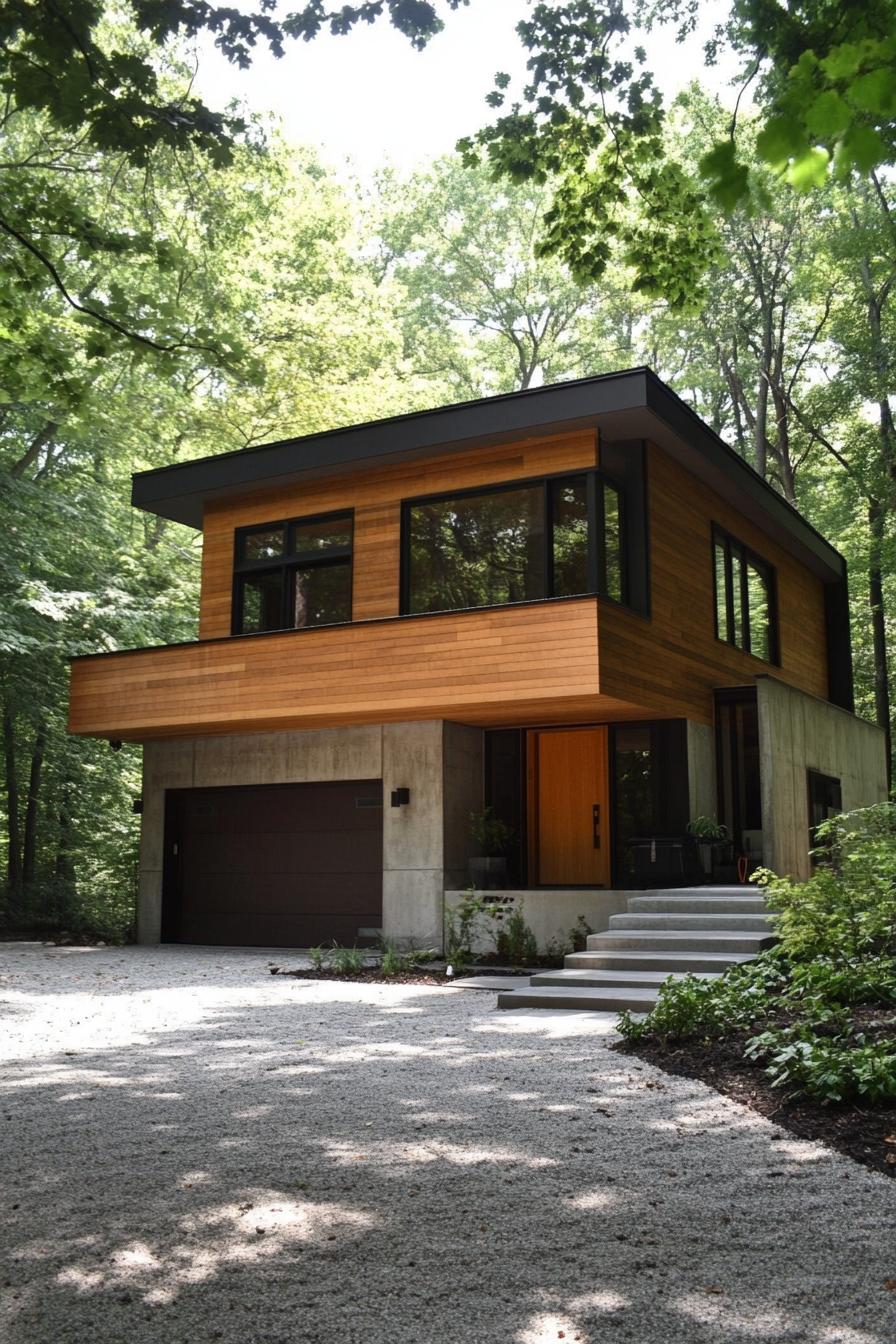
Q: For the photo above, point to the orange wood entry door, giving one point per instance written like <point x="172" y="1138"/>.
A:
<point x="568" y="807"/>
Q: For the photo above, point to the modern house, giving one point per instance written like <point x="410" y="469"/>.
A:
<point x="575" y="605"/>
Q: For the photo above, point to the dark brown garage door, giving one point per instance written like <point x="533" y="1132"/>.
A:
<point x="284" y="865"/>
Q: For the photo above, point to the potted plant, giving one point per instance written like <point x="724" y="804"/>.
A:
<point x="707" y="834"/>
<point x="493" y="837"/>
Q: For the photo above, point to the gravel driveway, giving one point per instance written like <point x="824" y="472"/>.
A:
<point x="195" y="1150"/>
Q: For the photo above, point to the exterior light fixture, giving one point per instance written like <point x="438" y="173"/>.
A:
<point x="400" y="797"/>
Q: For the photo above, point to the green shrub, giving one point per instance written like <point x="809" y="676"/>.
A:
<point x="462" y="924"/>
<point x="318" y="957"/>
<point x="515" y="942"/>
<point x="693" y="1006"/>
<point x="578" y="934"/>
<point x="869" y="980"/>
<point x="346" y="960"/>
<point x="846" y="912"/>
<point x="845" y="1067"/>
<point x="391" y="961"/>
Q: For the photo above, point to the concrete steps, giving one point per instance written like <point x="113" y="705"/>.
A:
<point x="659" y="920"/>
<point x="700" y="931"/>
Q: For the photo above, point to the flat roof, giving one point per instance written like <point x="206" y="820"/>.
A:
<point x="631" y="404"/>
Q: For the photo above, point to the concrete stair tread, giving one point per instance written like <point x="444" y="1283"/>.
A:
<point x="584" y="999"/>
<point x="615" y="979"/>
<point x="665" y="920"/>
<point x="630" y="954"/>
<point x="671" y="935"/>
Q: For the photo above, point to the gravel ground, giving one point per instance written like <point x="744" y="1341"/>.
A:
<point x="197" y="1150"/>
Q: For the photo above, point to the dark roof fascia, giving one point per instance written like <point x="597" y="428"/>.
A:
<point x="180" y="491"/>
<point x="177" y="491"/>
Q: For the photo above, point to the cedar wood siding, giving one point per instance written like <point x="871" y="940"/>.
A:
<point x="672" y="662"/>
<point x="532" y="663"/>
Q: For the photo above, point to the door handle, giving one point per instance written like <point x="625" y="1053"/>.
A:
<point x="595" y="825"/>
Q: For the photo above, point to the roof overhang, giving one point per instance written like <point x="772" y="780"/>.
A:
<point x="631" y="405"/>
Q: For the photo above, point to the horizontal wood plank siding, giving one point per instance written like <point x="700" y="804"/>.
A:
<point x="455" y="666"/>
<point x="672" y="662"/>
<point x="376" y="497"/>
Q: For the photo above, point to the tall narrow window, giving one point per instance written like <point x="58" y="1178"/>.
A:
<point x="613" y="580"/>
<point x="293" y="574"/>
<point x="744" y="596"/>
<point x="569" y="526"/>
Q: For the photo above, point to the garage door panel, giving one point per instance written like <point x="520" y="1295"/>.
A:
<point x="280" y="865"/>
<point x="359" y="808"/>
<point x="316" y="893"/>
<point x="267" y="931"/>
<point x="271" y="854"/>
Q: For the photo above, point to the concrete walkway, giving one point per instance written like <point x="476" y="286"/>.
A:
<point x="196" y="1150"/>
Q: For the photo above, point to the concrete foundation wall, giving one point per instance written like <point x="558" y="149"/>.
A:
<point x="440" y="763"/>
<point x="549" y="914"/>
<point x="797" y="733"/>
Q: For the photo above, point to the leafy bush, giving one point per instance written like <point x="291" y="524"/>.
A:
<point x="694" y="1006"/>
<point x="462" y="923"/>
<point x="846" y="912"/>
<point x="578" y="934"/>
<point x="845" y="1067"/>
<point x="318" y="957"/>
<point x="346" y="960"/>
<point x="515" y="942"/>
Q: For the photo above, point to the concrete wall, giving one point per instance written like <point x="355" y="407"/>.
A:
<point x="702" y="792"/>
<point x="441" y="764"/>
<point x="798" y="732"/>
<point x="549" y="914"/>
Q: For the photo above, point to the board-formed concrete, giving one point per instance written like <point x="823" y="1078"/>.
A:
<point x="798" y="733"/>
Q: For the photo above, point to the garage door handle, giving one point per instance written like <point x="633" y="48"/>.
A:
<point x="595" y="823"/>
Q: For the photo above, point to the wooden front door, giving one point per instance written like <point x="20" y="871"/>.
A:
<point x="568" y="807"/>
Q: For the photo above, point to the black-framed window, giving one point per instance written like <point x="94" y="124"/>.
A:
<point x="825" y="800"/>
<point x="559" y="536"/>
<point x="745" y="598"/>
<point x="293" y="574"/>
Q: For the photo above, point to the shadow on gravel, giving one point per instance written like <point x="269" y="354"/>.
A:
<point x="415" y="1169"/>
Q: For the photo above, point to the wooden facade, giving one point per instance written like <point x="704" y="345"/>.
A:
<point x="565" y="660"/>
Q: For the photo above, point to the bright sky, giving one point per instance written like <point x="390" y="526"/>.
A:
<point x="371" y="98"/>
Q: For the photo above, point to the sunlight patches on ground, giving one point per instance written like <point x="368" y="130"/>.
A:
<point x="262" y="1227"/>
<point x="713" y="1308"/>
<point x="599" y="1301"/>
<point x="547" y="1328"/>
<point x="589" y="1200"/>
<point x="543" y="1022"/>
<point x="392" y="1156"/>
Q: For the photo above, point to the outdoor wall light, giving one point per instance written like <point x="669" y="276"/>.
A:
<point x="400" y="797"/>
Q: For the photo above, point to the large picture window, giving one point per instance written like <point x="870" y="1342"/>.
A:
<point x="745" y="610"/>
<point x="560" y="537"/>
<point x="293" y="574"/>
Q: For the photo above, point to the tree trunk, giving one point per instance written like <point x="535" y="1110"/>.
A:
<point x="29" y="848"/>
<point x="14" y="834"/>
<point x="876" y="526"/>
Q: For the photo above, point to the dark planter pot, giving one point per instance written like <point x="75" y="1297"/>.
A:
<point x="488" y="874"/>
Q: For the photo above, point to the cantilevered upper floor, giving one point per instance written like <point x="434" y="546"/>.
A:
<point x="587" y="551"/>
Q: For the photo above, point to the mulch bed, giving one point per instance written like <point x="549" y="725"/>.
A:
<point x="868" y="1135"/>
<point x="371" y="975"/>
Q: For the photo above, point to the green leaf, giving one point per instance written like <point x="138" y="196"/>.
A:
<point x="809" y="170"/>
<point x="829" y="116"/>
<point x="842" y="61"/>
<point x="781" y="139"/>
<point x="874" y="92"/>
<point x="860" y="148"/>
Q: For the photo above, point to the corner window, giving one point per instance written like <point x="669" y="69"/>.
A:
<point x="744" y="589"/>
<point x="559" y="537"/>
<point x="293" y="574"/>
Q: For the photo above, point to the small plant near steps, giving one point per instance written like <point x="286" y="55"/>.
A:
<point x="699" y="931"/>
